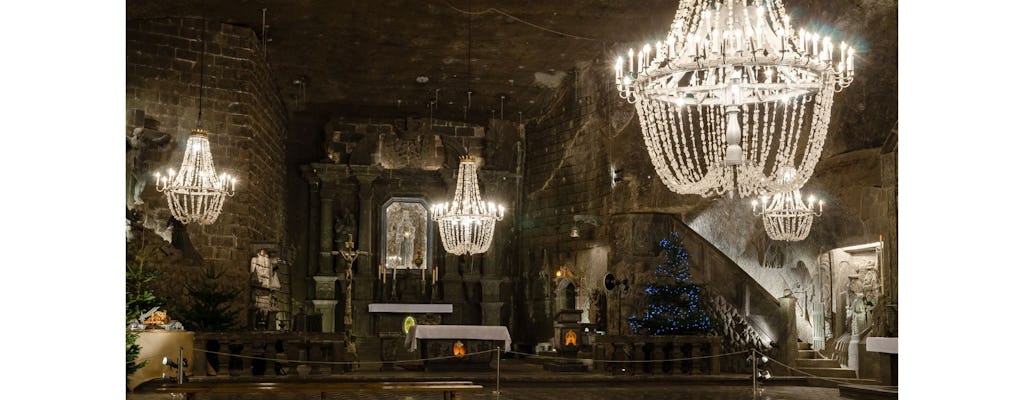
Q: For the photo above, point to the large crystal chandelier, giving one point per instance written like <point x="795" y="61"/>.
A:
<point x="732" y="95"/>
<point x="467" y="222"/>
<point x="195" y="193"/>
<point x="786" y="217"/>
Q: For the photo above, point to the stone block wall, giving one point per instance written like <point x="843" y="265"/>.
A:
<point x="246" y="123"/>
<point x="566" y="174"/>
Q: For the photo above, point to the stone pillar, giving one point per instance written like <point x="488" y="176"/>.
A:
<point x="787" y="340"/>
<point x="365" y="276"/>
<point x="452" y="290"/>
<point x="300" y="280"/>
<point x="366" y="265"/>
<point x="325" y="301"/>
<point x="326" y="234"/>
<point x="490" y="306"/>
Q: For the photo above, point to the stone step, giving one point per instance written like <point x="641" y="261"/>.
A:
<point x="803" y="346"/>
<point x="868" y="392"/>
<point x="817" y="363"/>
<point x="808" y="354"/>
<point x="835" y="382"/>
<point x="831" y="372"/>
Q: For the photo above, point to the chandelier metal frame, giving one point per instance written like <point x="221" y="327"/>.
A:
<point x="196" y="193"/>
<point x="734" y="95"/>
<point x="467" y="222"/>
<point x="786" y="217"/>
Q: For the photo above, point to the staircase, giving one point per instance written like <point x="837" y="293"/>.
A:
<point x="811" y="362"/>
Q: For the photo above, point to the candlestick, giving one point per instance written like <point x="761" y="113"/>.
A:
<point x="394" y="273"/>
<point x="423" y="274"/>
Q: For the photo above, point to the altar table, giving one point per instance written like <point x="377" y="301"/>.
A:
<point x="439" y="346"/>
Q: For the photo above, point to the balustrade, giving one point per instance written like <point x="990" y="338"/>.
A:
<point x="253" y="353"/>
<point x="659" y="354"/>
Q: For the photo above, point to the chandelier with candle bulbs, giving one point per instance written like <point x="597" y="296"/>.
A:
<point x="733" y="95"/>
<point x="467" y="222"/>
<point x="785" y="215"/>
<point x="195" y="193"/>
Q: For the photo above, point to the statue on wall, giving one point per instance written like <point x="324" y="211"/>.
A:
<point x="138" y="142"/>
<point x="265" y="283"/>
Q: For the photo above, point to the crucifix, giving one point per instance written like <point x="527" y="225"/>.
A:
<point x="350" y="254"/>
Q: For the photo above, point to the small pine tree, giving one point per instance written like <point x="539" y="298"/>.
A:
<point x="675" y="305"/>
<point x="209" y="307"/>
<point x="139" y="298"/>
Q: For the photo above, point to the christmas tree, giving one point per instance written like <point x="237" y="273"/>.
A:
<point x="675" y="305"/>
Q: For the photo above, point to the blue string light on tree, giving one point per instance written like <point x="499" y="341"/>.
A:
<point x="675" y="304"/>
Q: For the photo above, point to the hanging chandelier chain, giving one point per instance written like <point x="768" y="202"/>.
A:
<point x="202" y="74"/>
<point x="196" y="193"/>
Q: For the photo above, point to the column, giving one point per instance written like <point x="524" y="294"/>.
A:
<point x="492" y="268"/>
<point x="365" y="275"/>
<point x="788" y="350"/>
<point x="326" y="234"/>
<point x="325" y="301"/>
<point x="300" y="278"/>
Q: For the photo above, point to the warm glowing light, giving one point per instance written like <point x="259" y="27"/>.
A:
<point x="742" y="54"/>
<point x="197" y="193"/>
<point x="459" y="349"/>
<point x="570" y="338"/>
<point x="467" y="222"/>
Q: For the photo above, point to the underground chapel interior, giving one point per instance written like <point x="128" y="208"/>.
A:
<point x="324" y="196"/>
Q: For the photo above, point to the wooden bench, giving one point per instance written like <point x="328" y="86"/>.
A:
<point x="448" y="388"/>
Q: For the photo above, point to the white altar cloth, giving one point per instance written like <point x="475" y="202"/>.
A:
<point x="476" y="332"/>
<point x="411" y="308"/>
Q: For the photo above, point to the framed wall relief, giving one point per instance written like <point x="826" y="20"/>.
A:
<point x="406" y="234"/>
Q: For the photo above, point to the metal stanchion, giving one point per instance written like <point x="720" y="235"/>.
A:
<point x="753" y="370"/>
<point x="497" y="384"/>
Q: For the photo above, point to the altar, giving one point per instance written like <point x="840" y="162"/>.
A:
<point x="467" y="347"/>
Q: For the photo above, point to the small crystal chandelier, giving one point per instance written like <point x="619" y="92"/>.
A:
<point x="196" y="193"/>
<point x="732" y="95"/>
<point x="786" y="217"/>
<point x="467" y="222"/>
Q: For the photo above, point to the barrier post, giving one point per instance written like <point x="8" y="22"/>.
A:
<point x="497" y="383"/>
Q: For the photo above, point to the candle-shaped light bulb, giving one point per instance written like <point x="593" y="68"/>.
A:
<point x="849" y="61"/>
<point x="810" y="199"/>
<point x="618" y="67"/>
<point x="753" y="204"/>
<point x="630" y="62"/>
<point x="170" y="172"/>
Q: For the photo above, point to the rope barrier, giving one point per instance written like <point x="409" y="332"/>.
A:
<point x="278" y="360"/>
<point x="498" y="350"/>
<point x="629" y="361"/>
<point x="801" y="371"/>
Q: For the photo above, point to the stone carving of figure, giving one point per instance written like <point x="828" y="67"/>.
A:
<point x="260" y="268"/>
<point x="137" y="143"/>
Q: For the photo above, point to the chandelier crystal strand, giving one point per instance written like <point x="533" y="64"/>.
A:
<point x="195" y="193"/>
<point x="785" y="215"/>
<point x="736" y="58"/>
<point x="467" y="222"/>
